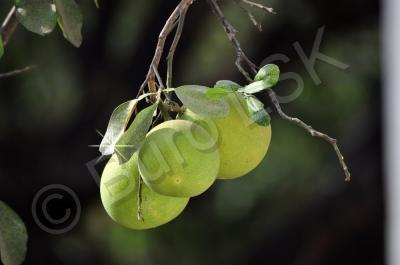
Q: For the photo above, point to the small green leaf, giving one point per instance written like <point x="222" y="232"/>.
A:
<point x="13" y="237"/>
<point x="96" y="3"/>
<point x="133" y="138"/>
<point x="228" y="84"/>
<point x="38" y="16"/>
<point x="1" y="47"/>
<point x="194" y="97"/>
<point x="257" y="111"/>
<point x="270" y="73"/>
<point x="70" y="20"/>
<point x="116" y="126"/>
<point x="218" y="92"/>
<point x="254" y="87"/>
<point x="267" y="77"/>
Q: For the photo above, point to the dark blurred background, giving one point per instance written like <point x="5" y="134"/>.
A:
<point x="295" y="208"/>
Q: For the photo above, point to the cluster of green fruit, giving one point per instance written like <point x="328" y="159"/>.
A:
<point x="180" y="159"/>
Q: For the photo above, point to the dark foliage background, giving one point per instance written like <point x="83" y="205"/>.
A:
<point x="293" y="209"/>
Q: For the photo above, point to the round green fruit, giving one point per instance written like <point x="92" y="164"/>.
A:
<point x="119" y="194"/>
<point x="179" y="158"/>
<point x="242" y="143"/>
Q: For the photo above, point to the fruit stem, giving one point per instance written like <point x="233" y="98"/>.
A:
<point x="139" y="213"/>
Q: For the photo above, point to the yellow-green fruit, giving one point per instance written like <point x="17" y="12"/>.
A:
<point x="179" y="158"/>
<point x="242" y="142"/>
<point x="119" y="194"/>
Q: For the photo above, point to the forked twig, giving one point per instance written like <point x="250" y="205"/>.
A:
<point x="167" y="29"/>
<point x="260" y="6"/>
<point x="174" y="45"/>
<point x="231" y="33"/>
<point x="252" y="18"/>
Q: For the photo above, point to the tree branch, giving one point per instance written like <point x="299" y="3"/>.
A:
<point x="162" y="106"/>
<point x="7" y="29"/>
<point x="17" y="72"/>
<point x="174" y="45"/>
<point x="231" y="32"/>
<point x="311" y="131"/>
<point x="167" y="29"/>
<point x="9" y="26"/>
<point x="260" y="6"/>
<point x="252" y="18"/>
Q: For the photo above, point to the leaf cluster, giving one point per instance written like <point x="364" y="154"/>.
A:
<point x="125" y="140"/>
<point x="42" y="16"/>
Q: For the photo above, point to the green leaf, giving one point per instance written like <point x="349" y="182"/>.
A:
<point x="267" y="77"/>
<point x="257" y="111"/>
<point x="270" y="73"/>
<point x="13" y="236"/>
<point x="133" y="138"/>
<point x="218" y="92"/>
<point x="194" y="97"/>
<point x="227" y="84"/>
<point x="1" y="47"/>
<point x="38" y="16"/>
<point x="96" y="3"/>
<point x="116" y="126"/>
<point x="254" y="87"/>
<point x="70" y="20"/>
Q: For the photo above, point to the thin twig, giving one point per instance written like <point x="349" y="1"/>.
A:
<point x="167" y="29"/>
<point x="252" y="18"/>
<point x="312" y="132"/>
<point x="174" y="45"/>
<point x="17" y="72"/>
<point x="159" y="79"/>
<point x="162" y="106"/>
<point x="9" y="26"/>
<point x="230" y="31"/>
<point x="139" y="213"/>
<point x="156" y="120"/>
<point x="260" y="6"/>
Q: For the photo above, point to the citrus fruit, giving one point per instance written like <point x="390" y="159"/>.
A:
<point x="242" y="143"/>
<point x="179" y="158"/>
<point x="119" y="195"/>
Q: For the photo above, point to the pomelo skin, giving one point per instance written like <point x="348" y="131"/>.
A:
<point x="242" y="143"/>
<point x="118" y="189"/>
<point x="179" y="158"/>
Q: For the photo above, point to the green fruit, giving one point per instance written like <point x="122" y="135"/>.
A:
<point x="179" y="158"/>
<point x="119" y="193"/>
<point x="242" y="142"/>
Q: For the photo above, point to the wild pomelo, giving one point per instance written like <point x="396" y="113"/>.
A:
<point x="179" y="158"/>
<point x="118" y="189"/>
<point x="242" y="143"/>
